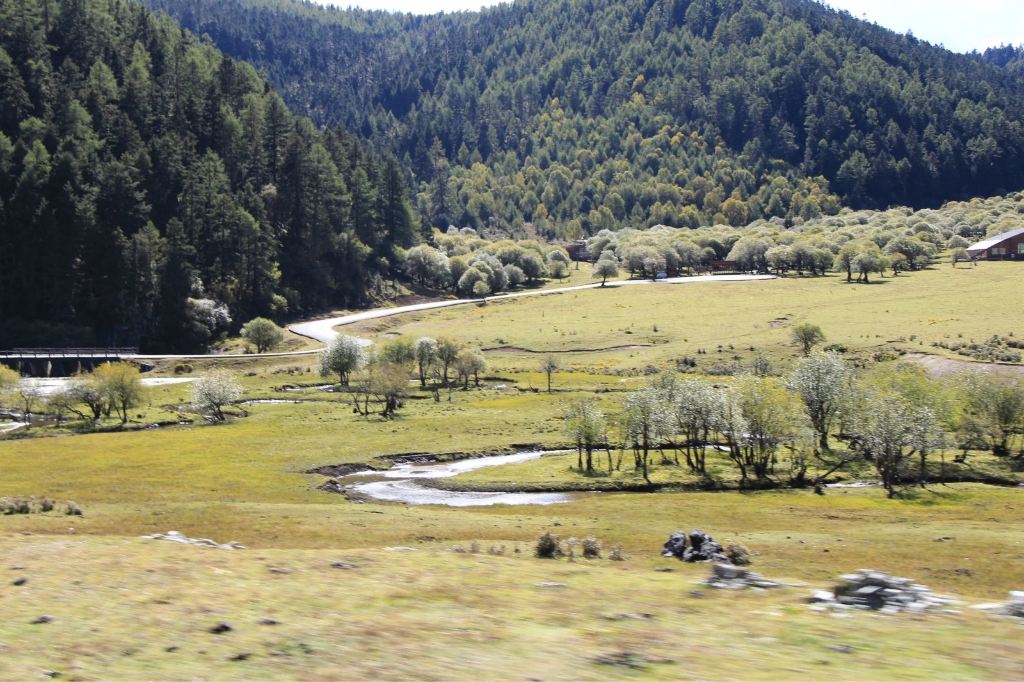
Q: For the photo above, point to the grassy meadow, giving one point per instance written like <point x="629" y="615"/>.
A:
<point x="618" y="329"/>
<point x="123" y="607"/>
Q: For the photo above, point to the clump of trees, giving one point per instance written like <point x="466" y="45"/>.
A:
<point x="469" y="265"/>
<point x="893" y="418"/>
<point x="380" y="376"/>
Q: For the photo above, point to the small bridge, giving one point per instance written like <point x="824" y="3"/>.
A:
<point x="63" y="362"/>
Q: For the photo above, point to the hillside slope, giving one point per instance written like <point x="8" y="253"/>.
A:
<point x="583" y="114"/>
<point x="154" y="192"/>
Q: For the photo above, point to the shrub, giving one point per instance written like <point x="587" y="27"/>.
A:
<point x="738" y="554"/>
<point x="591" y="548"/>
<point x="15" y="505"/>
<point x="548" y="546"/>
<point x="615" y="553"/>
<point x="46" y="505"/>
<point x="183" y="368"/>
<point x="72" y="509"/>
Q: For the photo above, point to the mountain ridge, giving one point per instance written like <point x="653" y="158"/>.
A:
<point x="787" y="90"/>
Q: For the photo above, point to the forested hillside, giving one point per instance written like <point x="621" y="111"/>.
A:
<point x="580" y="115"/>
<point x="154" y="192"/>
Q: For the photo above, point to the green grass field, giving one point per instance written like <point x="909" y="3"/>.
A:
<point x="628" y="328"/>
<point x="119" y="603"/>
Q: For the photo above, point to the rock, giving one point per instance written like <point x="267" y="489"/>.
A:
<point x="877" y="591"/>
<point x="244" y="656"/>
<point x="730" y="577"/>
<point x="220" y="629"/>
<point x="269" y="621"/>
<point x="42" y="619"/>
<point x="343" y="565"/>
<point x="695" y="547"/>
<point x="175" y="536"/>
<point x="821" y="597"/>
<point x="675" y="545"/>
<point x="19" y="582"/>
<point x="1014" y="608"/>
<point x="550" y="585"/>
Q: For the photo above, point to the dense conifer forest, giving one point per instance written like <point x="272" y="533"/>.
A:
<point x="155" y="192"/>
<point x="579" y="115"/>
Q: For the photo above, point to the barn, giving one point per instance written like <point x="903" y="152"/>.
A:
<point x="1005" y="246"/>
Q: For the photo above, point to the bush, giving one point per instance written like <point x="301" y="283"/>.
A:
<point x="548" y="546"/>
<point x="72" y="509"/>
<point x="15" y="505"/>
<point x="615" y="554"/>
<point x="183" y="368"/>
<point x="591" y="548"/>
<point x="738" y="555"/>
<point x="46" y="505"/>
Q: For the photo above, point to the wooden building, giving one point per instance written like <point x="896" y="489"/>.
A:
<point x="1005" y="246"/>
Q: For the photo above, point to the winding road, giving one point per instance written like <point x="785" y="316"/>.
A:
<point x="324" y="330"/>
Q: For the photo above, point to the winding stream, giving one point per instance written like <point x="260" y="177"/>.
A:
<point x="399" y="484"/>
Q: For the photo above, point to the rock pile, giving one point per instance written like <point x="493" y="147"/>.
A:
<point x="877" y="591"/>
<point x="1011" y="609"/>
<point x="698" y="546"/>
<point x="729" y="577"/>
<point x="175" y="536"/>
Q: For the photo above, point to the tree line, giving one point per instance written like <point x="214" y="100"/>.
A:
<point x="110" y="392"/>
<point x="153" y="191"/>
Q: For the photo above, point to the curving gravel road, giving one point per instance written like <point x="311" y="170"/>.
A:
<point x="324" y="330"/>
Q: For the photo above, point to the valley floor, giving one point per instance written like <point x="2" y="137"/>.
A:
<point x="124" y="607"/>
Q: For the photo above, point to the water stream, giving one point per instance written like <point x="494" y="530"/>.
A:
<point x="399" y="484"/>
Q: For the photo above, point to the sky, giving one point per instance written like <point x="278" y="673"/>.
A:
<point x="960" y="25"/>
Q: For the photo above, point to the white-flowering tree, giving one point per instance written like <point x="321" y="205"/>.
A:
<point x="342" y="357"/>
<point x="214" y="392"/>
<point x="428" y="266"/>
<point x="606" y="266"/>
<point x="469" y="363"/>
<point x="647" y="422"/>
<point x="700" y="415"/>
<point x="892" y="429"/>
<point x="585" y="424"/>
<point x="426" y="357"/>
<point x="823" y="382"/>
<point x="996" y="404"/>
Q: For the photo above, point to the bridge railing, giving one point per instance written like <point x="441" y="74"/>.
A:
<point x="68" y="352"/>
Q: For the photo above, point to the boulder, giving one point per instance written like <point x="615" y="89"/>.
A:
<point x="695" y="547"/>
<point x="731" y="577"/>
<point x="878" y="591"/>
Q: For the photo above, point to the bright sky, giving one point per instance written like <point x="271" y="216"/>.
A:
<point x="961" y="25"/>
